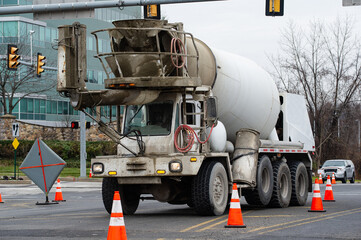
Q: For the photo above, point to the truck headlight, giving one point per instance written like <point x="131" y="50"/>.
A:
<point x="175" y="166"/>
<point x="98" y="168"/>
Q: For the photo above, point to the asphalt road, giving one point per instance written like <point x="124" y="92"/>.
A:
<point x="83" y="216"/>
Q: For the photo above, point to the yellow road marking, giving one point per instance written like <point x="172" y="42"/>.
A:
<point x="218" y="223"/>
<point x="300" y="220"/>
<point x="210" y="226"/>
<point x="201" y="224"/>
<point x="316" y="220"/>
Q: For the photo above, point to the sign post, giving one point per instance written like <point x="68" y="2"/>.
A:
<point x="15" y="145"/>
<point x="15" y="129"/>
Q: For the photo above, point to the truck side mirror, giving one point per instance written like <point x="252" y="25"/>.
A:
<point x="211" y="109"/>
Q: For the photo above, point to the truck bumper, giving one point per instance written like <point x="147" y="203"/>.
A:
<point x="145" y="167"/>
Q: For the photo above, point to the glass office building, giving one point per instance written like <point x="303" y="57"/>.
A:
<point x="48" y="108"/>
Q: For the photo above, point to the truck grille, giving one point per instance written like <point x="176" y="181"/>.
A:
<point x="136" y="166"/>
<point x="330" y="170"/>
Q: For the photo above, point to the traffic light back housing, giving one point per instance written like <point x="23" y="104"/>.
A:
<point x="152" y="12"/>
<point x="274" y="8"/>
<point x="13" y="57"/>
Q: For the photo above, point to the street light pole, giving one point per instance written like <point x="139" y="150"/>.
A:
<point x="31" y="32"/>
<point x="359" y="143"/>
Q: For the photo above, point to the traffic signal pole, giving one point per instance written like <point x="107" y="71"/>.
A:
<point x="60" y="7"/>
<point x="83" y="154"/>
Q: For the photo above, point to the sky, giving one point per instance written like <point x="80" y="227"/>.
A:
<point x="241" y="27"/>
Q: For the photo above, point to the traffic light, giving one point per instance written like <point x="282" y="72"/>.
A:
<point x="74" y="125"/>
<point x="274" y="8"/>
<point x="87" y="125"/>
<point x="39" y="64"/>
<point x="152" y="12"/>
<point x="13" y="57"/>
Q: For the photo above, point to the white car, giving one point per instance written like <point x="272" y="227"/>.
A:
<point x="344" y="170"/>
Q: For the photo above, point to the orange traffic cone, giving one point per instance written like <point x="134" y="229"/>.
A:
<point x="328" y="193"/>
<point x="316" y="205"/>
<point x="235" y="214"/>
<point x="320" y="179"/>
<point x="1" y="201"/>
<point x="333" y="179"/>
<point x="116" y="226"/>
<point x="90" y="172"/>
<point x="58" y="193"/>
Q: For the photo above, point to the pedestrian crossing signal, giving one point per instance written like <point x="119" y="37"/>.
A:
<point x="74" y="125"/>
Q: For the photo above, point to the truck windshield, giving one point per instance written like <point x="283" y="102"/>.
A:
<point x="150" y="119"/>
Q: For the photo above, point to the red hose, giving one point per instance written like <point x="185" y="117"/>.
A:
<point x="176" y="42"/>
<point x="190" y="137"/>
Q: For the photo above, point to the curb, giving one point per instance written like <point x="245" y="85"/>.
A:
<point x="67" y="179"/>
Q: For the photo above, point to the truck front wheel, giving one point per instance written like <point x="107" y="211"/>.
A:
<point x="129" y="197"/>
<point x="282" y="186"/>
<point x="210" y="189"/>
<point x="263" y="192"/>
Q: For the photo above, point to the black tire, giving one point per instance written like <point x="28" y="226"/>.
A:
<point x="262" y="194"/>
<point x="352" y="180"/>
<point x="300" y="183"/>
<point x="129" y="197"/>
<point x="282" y="185"/>
<point x="344" y="179"/>
<point x="210" y="189"/>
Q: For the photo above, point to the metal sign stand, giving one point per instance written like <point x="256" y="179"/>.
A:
<point x="46" y="201"/>
<point x="43" y="167"/>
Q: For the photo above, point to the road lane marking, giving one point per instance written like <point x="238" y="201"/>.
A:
<point x="201" y="224"/>
<point x="223" y="221"/>
<point x="301" y="220"/>
<point x="270" y="216"/>
<point x="312" y="221"/>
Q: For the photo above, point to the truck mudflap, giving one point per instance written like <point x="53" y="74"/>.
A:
<point x="158" y="166"/>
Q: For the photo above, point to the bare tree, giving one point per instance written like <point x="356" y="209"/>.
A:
<point x="22" y="82"/>
<point x="321" y="62"/>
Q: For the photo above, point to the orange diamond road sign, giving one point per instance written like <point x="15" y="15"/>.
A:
<point x="16" y="143"/>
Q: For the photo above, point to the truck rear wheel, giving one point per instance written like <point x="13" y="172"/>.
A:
<point x="263" y="192"/>
<point x="299" y="183"/>
<point x="210" y="189"/>
<point x="282" y="186"/>
<point x="129" y="197"/>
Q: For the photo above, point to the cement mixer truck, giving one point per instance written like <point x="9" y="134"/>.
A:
<point x="195" y="120"/>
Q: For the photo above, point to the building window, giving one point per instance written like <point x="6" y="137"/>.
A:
<point x="51" y="107"/>
<point x="10" y="32"/>
<point x="10" y="2"/>
<point x="47" y="34"/>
